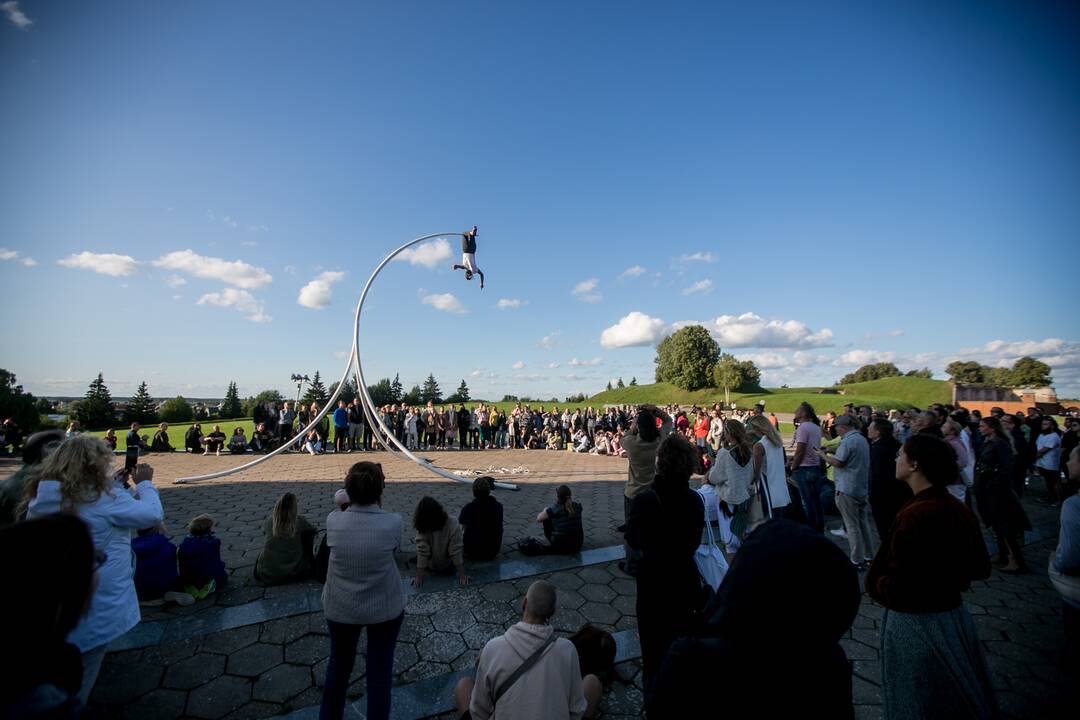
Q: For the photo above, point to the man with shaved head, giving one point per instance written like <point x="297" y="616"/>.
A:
<point x="527" y="672"/>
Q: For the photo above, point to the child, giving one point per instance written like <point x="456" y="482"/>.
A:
<point x="468" y="256"/>
<point x="201" y="568"/>
<point x="156" y="579"/>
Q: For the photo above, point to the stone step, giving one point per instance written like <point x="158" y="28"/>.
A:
<point x="435" y="695"/>
<point x="218" y="617"/>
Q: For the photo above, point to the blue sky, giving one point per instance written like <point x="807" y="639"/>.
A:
<point x="820" y="184"/>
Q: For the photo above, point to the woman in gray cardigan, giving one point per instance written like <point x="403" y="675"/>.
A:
<point x="363" y="590"/>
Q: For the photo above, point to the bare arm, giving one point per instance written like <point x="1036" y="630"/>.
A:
<point x="759" y="457"/>
<point x="800" y="452"/>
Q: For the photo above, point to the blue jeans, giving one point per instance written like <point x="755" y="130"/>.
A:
<point x="381" y="641"/>
<point x="811" y="482"/>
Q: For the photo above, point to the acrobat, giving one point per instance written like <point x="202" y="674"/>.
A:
<point x="468" y="256"/>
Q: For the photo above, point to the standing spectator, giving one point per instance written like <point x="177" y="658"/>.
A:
<point x="805" y="465"/>
<point x="287" y="553"/>
<point x="1013" y="431"/>
<point x="341" y="427"/>
<point x="285" y="423"/>
<point x="851" y="470"/>
<point x="356" y="423"/>
<point x="482" y="520"/>
<point x="932" y="664"/>
<point x="12" y="489"/>
<point x="640" y="444"/>
<point x="160" y="442"/>
<point x="133" y="444"/>
<point x="438" y="541"/>
<point x="551" y="688"/>
<point x="770" y="466"/>
<point x="78" y="477"/>
<point x="665" y="525"/>
<point x="193" y="439"/>
<point x="1048" y="457"/>
<point x="701" y="429"/>
<point x="952" y="433"/>
<point x="363" y="590"/>
<point x="562" y="524"/>
<point x="998" y="505"/>
<point x="887" y="494"/>
<point x="1065" y="566"/>
<point x="733" y="477"/>
<point x="1069" y="441"/>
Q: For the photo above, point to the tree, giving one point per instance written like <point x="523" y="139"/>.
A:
<point x="141" y="408"/>
<point x="266" y="396"/>
<point x="413" y="397"/>
<point x="1027" y="372"/>
<point x="380" y="393"/>
<point x="633" y="382"/>
<point x="726" y="375"/>
<point x="1000" y="376"/>
<point x="926" y="373"/>
<point x="510" y="398"/>
<point x="431" y="392"/>
<point x="18" y="405"/>
<point x="396" y="389"/>
<point x="461" y="395"/>
<point x="965" y="372"/>
<point x="347" y="393"/>
<point x="44" y="406"/>
<point x="316" y="392"/>
<point x="231" y="407"/>
<point x="96" y="411"/>
<point x="176" y="410"/>
<point x="867" y="373"/>
<point x="685" y="358"/>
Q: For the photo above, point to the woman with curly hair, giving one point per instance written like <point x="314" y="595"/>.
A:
<point x="439" y="545"/>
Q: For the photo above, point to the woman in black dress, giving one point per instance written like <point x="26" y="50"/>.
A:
<point x="999" y="507"/>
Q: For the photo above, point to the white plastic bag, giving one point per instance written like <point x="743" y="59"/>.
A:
<point x="710" y="560"/>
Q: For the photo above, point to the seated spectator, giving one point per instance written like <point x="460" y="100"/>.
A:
<point x="751" y="616"/>
<point x="73" y="429"/>
<point x="482" y="520"/>
<point x="38" y="446"/>
<point x="287" y="551"/>
<point x="581" y="442"/>
<point x="193" y="438"/>
<point x="11" y="435"/>
<point x="215" y="441"/>
<point x="616" y="448"/>
<point x="161" y="443"/>
<point x="156" y="578"/>
<point x="552" y="688"/>
<point x="261" y="439"/>
<point x="438" y="542"/>
<point x="238" y="444"/>
<point x="553" y="440"/>
<point x="110" y="439"/>
<point x="562" y="525"/>
<point x="201" y="569"/>
<point x="55" y="563"/>
<point x="313" y="443"/>
<point x="601" y="446"/>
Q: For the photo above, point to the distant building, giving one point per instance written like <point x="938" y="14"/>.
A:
<point x="1011" y="400"/>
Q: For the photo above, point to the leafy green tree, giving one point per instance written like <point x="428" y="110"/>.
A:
<point x="461" y="395"/>
<point x="866" y="373"/>
<point x="926" y="373"/>
<point x="431" y="391"/>
<point x="266" y="396"/>
<point x="395" y="389"/>
<point x="685" y="358"/>
<point x="96" y="411"/>
<point x="414" y="396"/>
<point x="141" y="408"/>
<point x="16" y="404"/>
<point x="1027" y="372"/>
<point x="965" y="372"/>
<point x="999" y="376"/>
<point x="347" y="393"/>
<point x="633" y="382"/>
<point x="316" y="392"/>
<point x="620" y="383"/>
<point x="231" y="407"/>
<point x="176" y="410"/>
<point x="380" y="393"/>
<point x="608" y="385"/>
<point x="726" y="374"/>
<point x="44" y="406"/>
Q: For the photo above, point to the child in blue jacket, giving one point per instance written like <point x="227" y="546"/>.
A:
<point x="201" y="569"/>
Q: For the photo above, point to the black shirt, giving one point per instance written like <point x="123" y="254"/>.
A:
<point x="468" y="243"/>
<point x="482" y="520"/>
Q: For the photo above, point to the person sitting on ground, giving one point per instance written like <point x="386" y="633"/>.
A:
<point x="581" y="441"/>
<point x="260" y="439"/>
<point x="562" y="527"/>
<point x="202" y="570"/>
<point x="55" y="563"/>
<point x="601" y="447"/>
<point x="37" y="447"/>
<point x="287" y="552"/>
<point x="156" y="578"/>
<point x="313" y="443"/>
<point x="215" y="441"/>
<point x="482" y="520"/>
<point x="161" y="443"/>
<point x="193" y="438"/>
<point x="74" y="429"/>
<point x="110" y="439"/>
<point x="553" y="440"/>
<point x="552" y="689"/>
<point x="438" y="542"/>
<point x="615" y="444"/>
<point x="238" y="444"/>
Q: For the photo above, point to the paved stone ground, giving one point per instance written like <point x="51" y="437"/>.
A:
<point x="277" y="666"/>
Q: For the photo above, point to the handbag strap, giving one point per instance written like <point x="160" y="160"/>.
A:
<point x="523" y="668"/>
<point x="708" y="523"/>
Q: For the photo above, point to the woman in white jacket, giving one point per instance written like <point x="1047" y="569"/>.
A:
<point x="732" y="476"/>
<point x="78" y="477"/>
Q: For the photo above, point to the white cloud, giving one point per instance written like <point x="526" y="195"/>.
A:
<point x="341" y="354"/>
<point x="632" y="272"/>
<point x="445" y="302"/>
<point x="698" y="257"/>
<point x="701" y="286"/>
<point x="508" y="304"/>
<point x="637" y="328"/>
<point x="547" y="342"/>
<point x="102" y="263"/>
<point x="574" y="362"/>
<point x="805" y="359"/>
<point x="316" y="294"/>
<point x="231" y="272"/>
<point x="175" y="281"/>
<point x="177" y="297"/>
<point x="29" y="262"/>
<point x="552" y="365"/>
<point x="750" y="330"/>
<point x="289" y="269"/>
<point x="16" y="15"/>
<point x="240" y="300"/>
<point x="766" y="361"/>
<point x="476" y="373"/>
<point x="429" y="254"/>
<point x="518" y="365"/>
<point x="6" y="254"/>
<point x="853" y="358"/>
<point x="250" y="243"/>
<point x="896" y="333"/>
<point x="583" y="291"/>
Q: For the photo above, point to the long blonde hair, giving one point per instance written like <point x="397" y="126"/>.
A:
<point x="284" y="516"/>
<point x="83" y="466"/>
<point x="766" y="429"/>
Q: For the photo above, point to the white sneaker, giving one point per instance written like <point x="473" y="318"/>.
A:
<point x="839" y="532"/>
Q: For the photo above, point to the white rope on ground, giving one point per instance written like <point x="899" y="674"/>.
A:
<point x="492" y="470"/>
<point x="354" y="367"/>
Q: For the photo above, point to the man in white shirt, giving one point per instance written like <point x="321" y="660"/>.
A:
<point x="551" y="686"/>
<point x="1048" y="457"/>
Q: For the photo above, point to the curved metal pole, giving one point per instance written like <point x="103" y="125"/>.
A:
<point x="352" y="365"/>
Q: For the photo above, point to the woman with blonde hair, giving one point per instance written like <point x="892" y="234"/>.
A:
<point x="78" y="477"/>
<point x="287" y="552"/>
<point x="770" y="476"/>
<point x="732" y="476"/>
